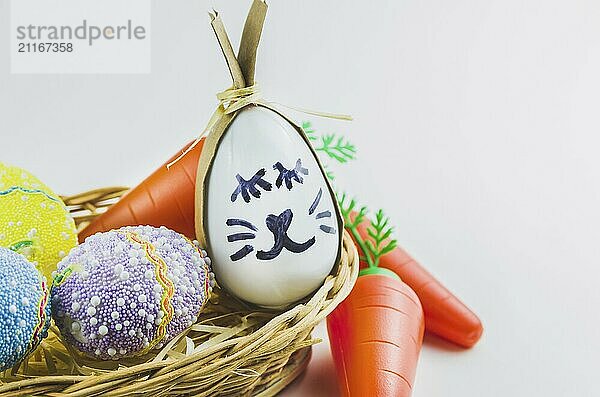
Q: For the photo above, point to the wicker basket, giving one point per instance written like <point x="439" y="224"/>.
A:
<point x="233" y="350"/>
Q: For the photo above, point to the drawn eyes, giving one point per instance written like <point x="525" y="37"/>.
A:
<point x="247" y="187"/>
<point x="289" y="175"/>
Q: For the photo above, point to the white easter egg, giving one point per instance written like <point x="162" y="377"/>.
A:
<point x="271" y="221"/>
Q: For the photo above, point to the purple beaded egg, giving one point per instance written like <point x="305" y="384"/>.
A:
<point x="126" y="292"/>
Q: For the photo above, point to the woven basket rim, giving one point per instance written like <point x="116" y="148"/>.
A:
<point x="260" y="363"/>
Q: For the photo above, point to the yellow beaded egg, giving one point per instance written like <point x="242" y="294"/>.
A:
<point x="33" y="220"/>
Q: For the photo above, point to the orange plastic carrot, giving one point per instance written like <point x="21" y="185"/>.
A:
<point x="445" y="315"/>
<point x="165" y="198"/>
<point x="375" y="336"/>
<point x="376" y="333"/>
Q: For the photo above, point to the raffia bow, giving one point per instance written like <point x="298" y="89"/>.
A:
<point x="245" y="91"/>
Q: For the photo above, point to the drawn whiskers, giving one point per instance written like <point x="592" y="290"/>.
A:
<point x="246" y="249"/>
<point x="240" y="236"/>
<point x="327" y="229"/>
<point x="240" y="222"/>
<point x="315" y="203"/>
<point x="322" y="214"/>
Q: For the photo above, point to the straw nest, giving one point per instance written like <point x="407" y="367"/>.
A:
<point x="233" y="350"/>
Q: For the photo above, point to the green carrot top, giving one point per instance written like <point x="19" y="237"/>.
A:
<point x="335" y="146"/>
<point x="378" y="242"/>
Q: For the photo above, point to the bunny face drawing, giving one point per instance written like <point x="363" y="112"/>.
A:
<point x="271" y="221"/>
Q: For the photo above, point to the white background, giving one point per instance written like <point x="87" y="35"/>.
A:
<point x="480" y="120"/>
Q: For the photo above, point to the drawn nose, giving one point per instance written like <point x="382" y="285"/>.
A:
<point x="279" y="224"/>
<point x="286" y="218"/>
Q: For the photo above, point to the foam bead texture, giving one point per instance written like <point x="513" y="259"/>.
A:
<point x="24" y="308"/>
<point x="33" y="219"/>
<point x="126" y="292"/>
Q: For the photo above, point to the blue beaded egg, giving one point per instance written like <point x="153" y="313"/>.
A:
<point x="127" y="292"/>
<point x="24" y="308"/>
